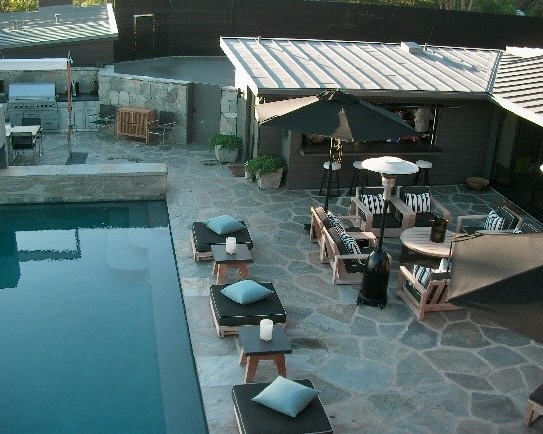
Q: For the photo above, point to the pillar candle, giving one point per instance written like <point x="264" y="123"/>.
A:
<point x="230" y="245"/>
<point x="266" y="329"/>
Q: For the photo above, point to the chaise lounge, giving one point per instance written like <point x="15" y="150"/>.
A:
<point x="202" y="238"/>
<point x="229" y="316"/>
<point x="254" y="418"/>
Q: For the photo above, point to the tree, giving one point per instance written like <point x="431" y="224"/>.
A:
<point x="18" y="5"/>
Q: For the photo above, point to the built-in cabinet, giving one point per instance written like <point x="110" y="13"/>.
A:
<point x="83" y="112"/>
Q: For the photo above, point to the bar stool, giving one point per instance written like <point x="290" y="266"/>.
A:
<point x="327" y="173"/>
<point x="424" y="166"/>
<point x="358" y="170"/>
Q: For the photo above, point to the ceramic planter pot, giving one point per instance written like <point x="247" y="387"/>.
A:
<point x="270" y="180"/>
<point x="226" y="155"/>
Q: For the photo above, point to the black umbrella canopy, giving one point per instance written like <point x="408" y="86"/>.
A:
<point x="335" y="114"/>
<point x="501" y="278"/>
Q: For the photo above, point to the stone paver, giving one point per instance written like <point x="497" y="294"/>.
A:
<point x="379" y="370"/>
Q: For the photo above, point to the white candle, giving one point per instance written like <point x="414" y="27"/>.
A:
<point x="231" y="245"/>
<point x="266" y="329"/>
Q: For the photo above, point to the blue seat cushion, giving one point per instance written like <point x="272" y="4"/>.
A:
<point x="286" y="396"/>
<point x="246" y="291"/>
<point x="223" y="224"/>
<point x="228" y="313"/>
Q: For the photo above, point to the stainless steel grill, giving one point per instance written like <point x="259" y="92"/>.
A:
<point x="33" y="100"/>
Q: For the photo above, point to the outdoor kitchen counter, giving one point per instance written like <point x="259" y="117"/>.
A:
<point x="63" y="97"/>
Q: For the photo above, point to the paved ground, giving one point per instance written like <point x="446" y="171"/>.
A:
<point x="379" y="371"/>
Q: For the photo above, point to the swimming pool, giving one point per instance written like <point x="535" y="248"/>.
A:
<point x="93" y="332"/>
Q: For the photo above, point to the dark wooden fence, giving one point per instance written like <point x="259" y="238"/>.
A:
<point x="193" y="27"/>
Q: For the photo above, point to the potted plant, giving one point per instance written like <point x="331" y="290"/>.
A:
<point x="226" y="147"/>
<point x="267" y="169"/>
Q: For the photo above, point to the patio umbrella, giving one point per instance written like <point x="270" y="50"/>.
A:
<point x="509" y="291"/>
<point x="337" y="115"/>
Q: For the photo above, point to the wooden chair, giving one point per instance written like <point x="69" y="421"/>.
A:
<point x="480" y="222"/>
<point x="534" y="409"/>
<point x="435" y="208"/>
<point x="431" y="297"/>
<point x="399" y="217"/>
<point x="347" y="267"/>
<point x="161" y="126"/>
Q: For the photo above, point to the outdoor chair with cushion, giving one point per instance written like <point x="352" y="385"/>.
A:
<point x="502" y="218"/>
<point x="161" y="126"/>
<point x="105" y="117"/>
<point x="21" y="142"/>
<point x="202" y="238"/>
<point x="425" y="206"/>
<point x="368" y="204"/>
<point x="31" y="122"/>
<point x="256" y="418"/>
<point x="230" y="315"/>
<point x="424" y="289"/>
<point x="535" y="406"/>
<point x="346" y="255"/>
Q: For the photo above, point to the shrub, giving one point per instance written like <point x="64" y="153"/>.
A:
<point x="225" y="141"/>
<point x="264" y="164"/>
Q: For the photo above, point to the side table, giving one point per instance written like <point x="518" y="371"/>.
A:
<point x="224" y="261"/>
<point x="254" y="349"/>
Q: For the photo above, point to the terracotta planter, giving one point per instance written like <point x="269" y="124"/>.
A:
<point x="270" y="180"/>
<point x="226" y="155"/>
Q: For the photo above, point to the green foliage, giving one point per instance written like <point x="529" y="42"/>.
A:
<point x="264" y="164"/>
<point x="225" y="141"/>
<point x="18" y="5"/>
<point x="88" y="2"/>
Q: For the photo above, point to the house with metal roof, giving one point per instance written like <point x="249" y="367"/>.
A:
<point x="88" y="33"/>
<point x="484" y="106"/>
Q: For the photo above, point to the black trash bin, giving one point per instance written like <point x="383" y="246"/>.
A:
<point x="439" y="228"/>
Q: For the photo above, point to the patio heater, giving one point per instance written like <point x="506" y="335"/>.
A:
<point x="373" y="290"/>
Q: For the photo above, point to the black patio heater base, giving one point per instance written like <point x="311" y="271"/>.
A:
<point x="373" y="291"/>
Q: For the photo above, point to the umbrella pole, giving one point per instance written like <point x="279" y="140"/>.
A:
<point x="333" y="147"/>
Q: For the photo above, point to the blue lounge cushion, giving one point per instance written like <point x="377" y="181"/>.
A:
<point x="223" y="224"/>
<point x="286" y="396"/>
<point x="246" y="292"/>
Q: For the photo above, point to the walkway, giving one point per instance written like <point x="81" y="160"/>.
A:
<point x="379" y="371"/>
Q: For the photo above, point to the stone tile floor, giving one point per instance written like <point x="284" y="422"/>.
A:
<point x="379" y="371"/>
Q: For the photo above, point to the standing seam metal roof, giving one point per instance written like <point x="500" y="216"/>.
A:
<point x="519" y="84"/>
<point x="513" y="79"/>
<point x="22" y="29"/>
<point x="296" y="64"/>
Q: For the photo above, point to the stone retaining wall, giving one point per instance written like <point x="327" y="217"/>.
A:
<point x="83" y="183"/>
<point x="153" y="93"/>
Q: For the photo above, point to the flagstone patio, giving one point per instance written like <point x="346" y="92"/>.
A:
<point x="378" y="370"/>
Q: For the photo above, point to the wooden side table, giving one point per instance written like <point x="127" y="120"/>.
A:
<point x="254" y="349"/>
<point x="225" y="261"/>
<point x="133" y="121"/>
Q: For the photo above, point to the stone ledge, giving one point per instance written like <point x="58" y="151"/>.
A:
<point x="83" y="183"/>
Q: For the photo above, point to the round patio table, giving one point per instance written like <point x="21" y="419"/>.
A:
<point x="418" y="240"/>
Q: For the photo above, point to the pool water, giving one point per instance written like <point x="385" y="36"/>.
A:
<point x="93" y="333"/>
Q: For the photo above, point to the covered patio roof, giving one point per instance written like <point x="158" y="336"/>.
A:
<point x="273" y="66"/>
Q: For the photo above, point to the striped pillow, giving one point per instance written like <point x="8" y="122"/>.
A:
<point x="494" y="222"/>
<point x="418" y="202"/>
<point x="422" y="274"/>
<point x="350" y="244"/>
<point x="333" y="220"/>
<point x="374" y="202"/>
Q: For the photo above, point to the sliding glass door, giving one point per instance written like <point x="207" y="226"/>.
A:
<point x="516" y="170"/>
